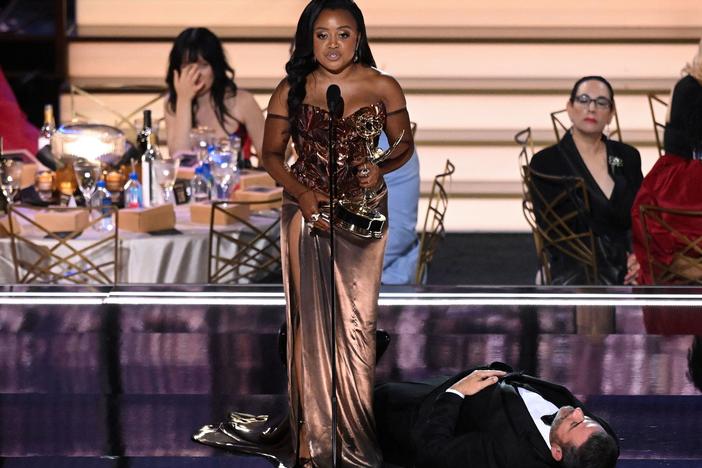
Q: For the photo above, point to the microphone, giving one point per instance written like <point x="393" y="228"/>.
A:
<point x="335" y="103"/>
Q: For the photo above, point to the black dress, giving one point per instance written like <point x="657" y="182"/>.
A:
<point x="609" y="218"/>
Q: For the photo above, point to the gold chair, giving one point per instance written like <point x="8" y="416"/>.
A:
<point x="247" y="251"/>
<point x="550" y="215"/>
<point x="525" y="140"/>
<point x="433" y="230"/>
<point x="40" y="255"/>
<point x="125" y="122"/>
<point x="686" y="265"/>
<point x="659" y="110"/>
<point x="559" y="127"/>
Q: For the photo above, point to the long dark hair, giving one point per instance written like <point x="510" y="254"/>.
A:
<point x="302" y="61"/>
<point x="188" y="46"/>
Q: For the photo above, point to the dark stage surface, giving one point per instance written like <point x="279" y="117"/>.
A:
<point x="121" y="378"/>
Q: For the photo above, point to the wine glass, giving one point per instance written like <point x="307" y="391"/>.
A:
<point x="10" y="178"/>
<point x="224" y="172"/>
<point x="166" y="170"/>
<point x="87" y="175"/>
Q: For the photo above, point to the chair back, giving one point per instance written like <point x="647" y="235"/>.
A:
<point x="551" y="204"/>
<point x="560" y="127"/>
<point x="659" y="110"/>
<point x="81" y="256"/>
<point x="246" y="248"/>
<point x="434" y="229"/>
<point x="125" y="122"/>
<point x="685" y="266"/>
<point x="525" y="141"/>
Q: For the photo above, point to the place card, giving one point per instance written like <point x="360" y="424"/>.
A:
<point x="63" y="220"/>
<point x="250" y="178"/>
<point x="265" y="198"/>
<point x="155" y="218"/>
<point x="200" y="213"/>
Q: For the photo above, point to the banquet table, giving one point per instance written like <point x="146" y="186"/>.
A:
<point x="174" y="257"/>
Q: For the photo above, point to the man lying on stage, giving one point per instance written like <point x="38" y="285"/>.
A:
<point x="490" y="417"/>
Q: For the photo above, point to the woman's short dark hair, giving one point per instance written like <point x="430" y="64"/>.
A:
<point x="187" y="47"/>
<point x="574" y="91"/>
<point x="302" y="61"/>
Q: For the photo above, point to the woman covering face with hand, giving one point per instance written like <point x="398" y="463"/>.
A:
<point x="331" y="48"/>
<point x="611" y="171"/>
<point x="202" y="93"/>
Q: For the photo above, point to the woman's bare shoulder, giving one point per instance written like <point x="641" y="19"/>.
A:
<point x="278" y="103"/>
<point x="381" y="78"/>
<point x="386" y="87"/>
<point x="282" y="89"/>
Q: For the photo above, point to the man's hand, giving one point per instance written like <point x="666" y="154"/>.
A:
<point x="477" y="380"/>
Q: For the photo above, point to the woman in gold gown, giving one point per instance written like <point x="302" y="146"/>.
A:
<point x="331" y="48"/>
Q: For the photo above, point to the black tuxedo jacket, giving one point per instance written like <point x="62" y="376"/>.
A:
<point x="489" y="429"/>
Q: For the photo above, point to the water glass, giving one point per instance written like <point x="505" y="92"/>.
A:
<point x="87" y="175"/>
<point x="166" y="170"/>
<point x="224" y="173"/>
<point x="10" y="178"/>
<point x="201" y="140"/>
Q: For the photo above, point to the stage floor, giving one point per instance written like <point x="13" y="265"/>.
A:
<point x="121" y="377"/>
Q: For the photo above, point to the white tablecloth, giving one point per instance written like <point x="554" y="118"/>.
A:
<point x="147" y="258"/>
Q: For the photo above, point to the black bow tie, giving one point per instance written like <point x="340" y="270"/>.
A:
<point x="548" y="418"/>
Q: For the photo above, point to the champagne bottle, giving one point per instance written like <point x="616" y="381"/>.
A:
<point x="148" y="172"/>
<point x="145" y="131"/>
<point x="48" y="129"/>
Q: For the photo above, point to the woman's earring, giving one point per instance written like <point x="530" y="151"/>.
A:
<point x="355" y="55"/>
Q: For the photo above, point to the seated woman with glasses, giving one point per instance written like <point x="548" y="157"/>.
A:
<point x="202" y="93"/>
<point x="611" y="172"/>
<point x="673" y="182"/>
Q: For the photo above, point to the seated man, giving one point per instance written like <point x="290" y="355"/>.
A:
<point x="490" y="417"/>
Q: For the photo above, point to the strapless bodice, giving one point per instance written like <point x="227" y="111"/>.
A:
<point x="312" y="147"/>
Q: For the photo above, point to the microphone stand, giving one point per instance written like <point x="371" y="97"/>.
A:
<point x="334" y="103"/>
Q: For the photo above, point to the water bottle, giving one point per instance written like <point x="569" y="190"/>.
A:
<point x="235" y="145"/>
<point x="200" y="188"/>
<point x="101" y="202"/>
<point x="132" y="192"/>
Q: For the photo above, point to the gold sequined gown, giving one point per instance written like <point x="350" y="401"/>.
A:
<point x="306" y="277"/>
